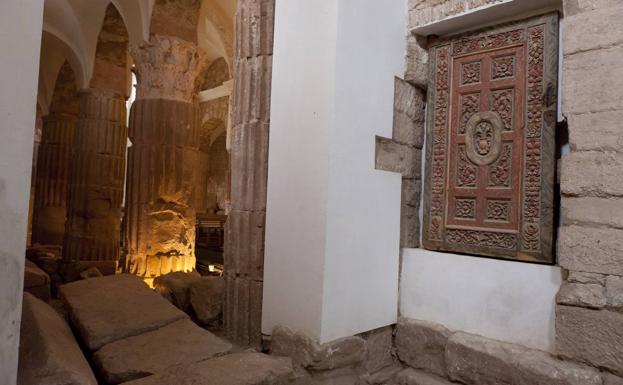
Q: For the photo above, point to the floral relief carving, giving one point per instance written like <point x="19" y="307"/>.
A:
<point x="502" y="102"/>
<point x="471" y="72"/>
<point x="498" y="40"/>
<point x="503" y="67"/>
<point x="482" y="238"/>
<point x="470" y="104"/>
<point x="498" y="210"/>
<point x="466" y="171"/>
<point x="500" y="171"/>
<point x="465" y="208"/>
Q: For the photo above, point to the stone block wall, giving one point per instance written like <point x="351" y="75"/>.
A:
<point x="589" y="318"/>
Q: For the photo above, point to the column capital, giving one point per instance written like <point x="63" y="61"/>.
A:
<point x="167" y="68"/>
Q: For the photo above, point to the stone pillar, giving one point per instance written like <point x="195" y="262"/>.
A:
<point x="244" y="234"/>
<point x="33" y="175"/>
<point x="95" y="196"/>
<point x="163" y="164"/>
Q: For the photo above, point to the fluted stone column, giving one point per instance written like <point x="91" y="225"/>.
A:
<point x="95" y="197"/>
<point x="163" y="161"/>
<point x="33" y="175"/>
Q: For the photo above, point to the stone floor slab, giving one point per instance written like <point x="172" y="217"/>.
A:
<point x="49" y="353"/>
<point x="234" y="369"/>
<point x="115" y="307"/>
<point x="180" y="342"/>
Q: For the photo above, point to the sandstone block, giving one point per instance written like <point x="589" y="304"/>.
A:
<point x="614" y="291"/>
<point x="592" y="173"/>
<point x="175" y="287"/>
<point x="590" y="249"/>
<point x="311" y="355"/>
<point x="206" y="298"/>
<point x="180" y="342"/>
<point x="422" y="345"/>
<point x="610" y="379"/>
<point x="382" y="377"/>
<point x="49" y="353"/>
<point x="592" y="80"/>
<point x="572" y="7"/>
<point x="91" y="272"/>
<point x="233" y="369"/>
<point x="36" y="281"/>
<point x="593" y="211"/>
<point x="599" y="131"/>
<point x="416" y="377"/>
<point x="397" y="157"/>
<point x="410" y="213"/>
<point x="594" y="337"/>
<point x="111" y="308"/>
<point x="476" y="360"/>
<point x="379" y="349"/>
<point x="581" y="277"/>
<point x="598" y="28"/>
<point x="586" y="295"/>
<point x="417" y="63"/>
<point x="534" y="367"/>
<point x="409" y="110"/>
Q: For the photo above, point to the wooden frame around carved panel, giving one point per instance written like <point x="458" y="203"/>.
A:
<point x="490" y="151"/>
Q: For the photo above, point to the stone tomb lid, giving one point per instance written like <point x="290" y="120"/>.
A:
<point x="111" y="308"/>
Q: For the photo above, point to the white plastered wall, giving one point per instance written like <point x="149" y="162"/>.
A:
<point x="332" y="222"/>
<point x="503" y="300"/>
<point x="20" y="39"/>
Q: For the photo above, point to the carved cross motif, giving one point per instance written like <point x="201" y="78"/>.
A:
<point x="490" y="155"/>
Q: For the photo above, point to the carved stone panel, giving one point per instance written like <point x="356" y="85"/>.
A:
<point x="490" y="151"/>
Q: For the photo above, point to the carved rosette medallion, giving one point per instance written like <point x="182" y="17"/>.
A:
<point x="490" y="161"/>
<point x="484" y="137"/>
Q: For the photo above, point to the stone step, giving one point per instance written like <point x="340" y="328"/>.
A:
<point x="180" y="342"/>
<point x="234" y="369"/>
<point x="115" y="307"/>
<point x="49" y="353"/>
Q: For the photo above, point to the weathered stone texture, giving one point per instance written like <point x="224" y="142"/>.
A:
<point x="97" y="179"/>
<point x="572" y="7"/>
<point x="180" y="342"/>
<point x="614" y="291"/>
<point x="587" y="295"/>
<point x="595" y="80"/>
<point x="379" y="349"/>
<point x="242" y="315"/>
<point x="111" y="308"/>
<point x="207" y="295"/>
<point x="163" y="171"/>
<point x="475" y="360"/>
<point x="410" y="213"/>
<point x="416" y="71"/>
<point x="416" y="377"/>
<point x="36" y="281"/>
<point x="581" y="277"/>
<point x="593" y="211"/>
<point x="594" y="337"/>
<point x="397" y="157"/>
<point x="175" y="287"/>
<point x="49" y="353"/>
<point x="423" y="12"/>
<point x="409" y="107"/>
<point x="233" y="369"/>
<point x="592" y="173"/>
<point x="610" y="379"/>
<point x="254" y="28"/>
<point x="167" y="68"/>
<point x="422" y="345"/>
<point x="309" y="354"/>
<point x="594" y="250"/>
<point x="600" y="28"/>
<point x="599" y="131"/>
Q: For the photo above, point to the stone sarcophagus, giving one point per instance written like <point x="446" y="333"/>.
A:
<point x="490" y="158"/>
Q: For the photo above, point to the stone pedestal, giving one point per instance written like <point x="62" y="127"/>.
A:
<point x="163" y="162"/>
<point x="163" y="171"/>
<point x="97" y="176"/>
<point x="52" y="178"/>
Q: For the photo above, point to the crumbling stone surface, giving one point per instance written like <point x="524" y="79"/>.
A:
<point x="589" y="249"/>
<point x="207" y="295"/>
<point x="180" y="342"/>
<point x="592" y="173"/>
<point x="611" y="379"/>
<point x="36" y="281"/>
<point x="379" y="349"/>
<point x="416" y="377"/>
<point x="397" y="157"/>
<point x="111" y="308"/>
<point x="422" y="345"/>
<point x="232" y="369"/>
<point x="594" y="337"/>
<point x="588" y="295"/>
<point x="49" y="353"/>
<point x="593" y="211"/>
<point x="476" y="360"/>
<point x="416" y="71"/>
<point x="175" y="287"/>
<point x="382" y="377"/>
<point x="598" y="131"/>
<point x="311" y="355"/>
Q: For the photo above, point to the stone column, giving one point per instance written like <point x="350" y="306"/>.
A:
<point x="95" y="196"/>
<point x="163" y="165"/>
<point x="244" y="233"/>
<point x="33" y="175"/>
<point x="52" y="180"/>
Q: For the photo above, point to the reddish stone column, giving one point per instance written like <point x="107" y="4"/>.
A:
<point x="244" y="234"/>
<point x="163" y="162"/>
<point x="97" y="176"/>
